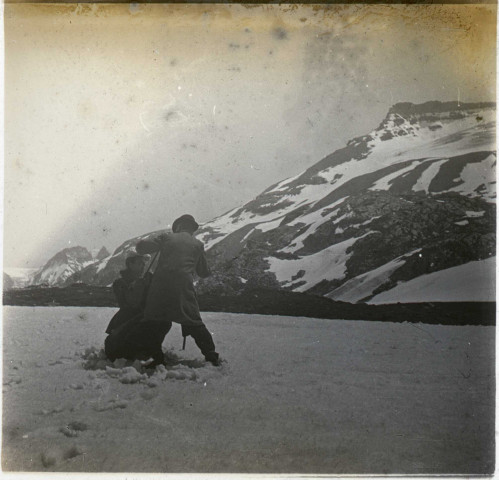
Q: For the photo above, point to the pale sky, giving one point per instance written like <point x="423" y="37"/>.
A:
<point x="120" y="118"/>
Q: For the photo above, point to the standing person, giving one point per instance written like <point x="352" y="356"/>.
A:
<point x="171" y="296"/>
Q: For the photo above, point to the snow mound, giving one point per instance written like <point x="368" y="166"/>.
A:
<point x="131" y="372"/>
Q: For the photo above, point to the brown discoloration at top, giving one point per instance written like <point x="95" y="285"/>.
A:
<point x="293" y="16"/>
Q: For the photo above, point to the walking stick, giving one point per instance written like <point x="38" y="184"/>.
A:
<point x="183" y="344"/>
<point x="152" y="261"/>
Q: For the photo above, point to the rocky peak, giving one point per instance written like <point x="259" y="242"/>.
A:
<point x="8" y="283"/>
<point x="72" y="253"/>
<point x="102" y="254"/>
<point x="408" y="109"/>
<point x="62" y="265"/>
<point x="422" y="120"/>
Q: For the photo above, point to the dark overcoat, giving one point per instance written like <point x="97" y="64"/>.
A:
<point x="126" y="337"/>
<point x="130" y="292"/>
<point x="171" y="296"/>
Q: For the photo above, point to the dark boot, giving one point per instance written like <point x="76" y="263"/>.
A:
<point x="213" y="358"/>
<point x="204" y="341"/>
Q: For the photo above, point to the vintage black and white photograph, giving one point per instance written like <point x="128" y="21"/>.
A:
<point x="249" y="238"/>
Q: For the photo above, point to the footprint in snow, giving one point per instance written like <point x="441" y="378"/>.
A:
<point x="56" y="362"/>
<point x="73" y="429"/>
<point x="46" y="411"/>
<point x="12" y="381"/>
<point x="149" y="394"/>
<point x="54" y="455"/>
<point x="111" y="405"/>
<point x="76" y="386"/>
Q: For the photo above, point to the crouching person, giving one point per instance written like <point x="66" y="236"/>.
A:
<point x="130" y="291"/>
<point x="171" y="296"/>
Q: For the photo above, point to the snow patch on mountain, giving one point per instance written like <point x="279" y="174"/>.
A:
<point x="103" y="263"/>
<point x="266" y="226"/>
<point x="364" y="285"/>
<point x="471" y="282"/>
<point x="472" y="214"/>
<point x="282" y="185"/>
<point x="475" y="176"/>
<point x="328" y="264"/>
<point x="385" y="182"/>
<point x="423" y="183"/>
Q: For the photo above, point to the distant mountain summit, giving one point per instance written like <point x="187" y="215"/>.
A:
<point x="103" y="272"/>
<point x="63" y="265"/>
<point x="8" y="283"/>
<point x="102" y="254"/>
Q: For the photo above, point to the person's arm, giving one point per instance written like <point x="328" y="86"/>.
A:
<point x="202" y="268"/>
<point x="147" y="246"/>
<point x="119" y="290"/>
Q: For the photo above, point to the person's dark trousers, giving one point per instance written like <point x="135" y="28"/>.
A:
<point x="203" y="340"/>
<point x="152" y="335"/>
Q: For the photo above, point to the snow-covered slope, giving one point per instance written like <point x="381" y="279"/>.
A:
<point x="62" y="266"/>
<point x="473" y="281"/>
<point x="298" y="395"/>
<point x="414" y="196"/>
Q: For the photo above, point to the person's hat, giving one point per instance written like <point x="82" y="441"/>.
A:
<point x="184" y="220"/>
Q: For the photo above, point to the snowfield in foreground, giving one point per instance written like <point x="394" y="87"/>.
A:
<point x="297" y="395"/>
